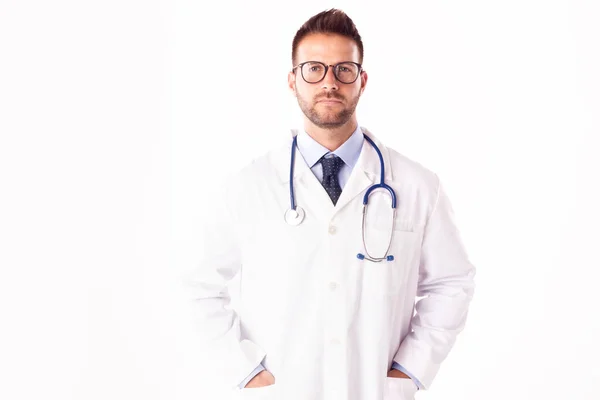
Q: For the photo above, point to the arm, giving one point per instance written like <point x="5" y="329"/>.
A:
<point x="446" y="286"/>
<point x="230" y="356"/>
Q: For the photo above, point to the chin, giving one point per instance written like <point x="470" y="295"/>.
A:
<point x="329" y="124"/>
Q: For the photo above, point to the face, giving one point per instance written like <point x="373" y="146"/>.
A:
<point x="329" y="103"/>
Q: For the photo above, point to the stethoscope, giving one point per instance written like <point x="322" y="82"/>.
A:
<point x="295" y="215"/>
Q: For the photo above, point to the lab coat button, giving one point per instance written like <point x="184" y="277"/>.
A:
<point x="335" y="342"/>
<point x="332" y="229"/>
<point x="333" y="286"/>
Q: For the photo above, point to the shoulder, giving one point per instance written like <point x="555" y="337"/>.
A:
<point x="406" y="169"/>
<point x="267" y="166"/>
<point x="263" y="165"/>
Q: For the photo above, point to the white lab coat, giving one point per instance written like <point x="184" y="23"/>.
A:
<point x="326" y="324"/>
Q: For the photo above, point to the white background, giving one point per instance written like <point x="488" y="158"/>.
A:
<point x="117" y="117"/>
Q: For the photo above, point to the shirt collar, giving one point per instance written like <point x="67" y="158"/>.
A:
<point x="349" y="151"/>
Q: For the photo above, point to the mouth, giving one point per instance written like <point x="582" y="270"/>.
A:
<point x="329" y="101"/>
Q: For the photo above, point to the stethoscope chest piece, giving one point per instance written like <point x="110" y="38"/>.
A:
<point x="294" y="217"/>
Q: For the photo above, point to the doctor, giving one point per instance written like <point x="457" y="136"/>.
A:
<point x="328" y="291"/>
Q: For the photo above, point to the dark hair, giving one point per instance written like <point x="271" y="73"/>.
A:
<point x="332" y="21"/>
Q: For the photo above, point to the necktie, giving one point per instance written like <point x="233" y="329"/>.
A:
<point x="331" y="168"/>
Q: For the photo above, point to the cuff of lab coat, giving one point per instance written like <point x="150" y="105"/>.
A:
<point x="232" y="364"/>
<point x="400" y="368"/>
<point x="416" y="357"/>
<point x="256" y="371"/>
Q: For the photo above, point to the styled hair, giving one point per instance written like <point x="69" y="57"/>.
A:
<point x="331" y="21"/>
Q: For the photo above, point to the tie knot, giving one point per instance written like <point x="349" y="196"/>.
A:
<point x="331" y="165"/>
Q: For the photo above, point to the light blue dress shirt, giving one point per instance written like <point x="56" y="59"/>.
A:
<point x="349" y="152"/>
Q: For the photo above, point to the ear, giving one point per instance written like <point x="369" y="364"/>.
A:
<point x="363" y="81"/>
<point x="292" y="82"/>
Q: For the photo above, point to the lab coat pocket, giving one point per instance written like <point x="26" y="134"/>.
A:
<point x="399" y="389"/>
<point x="260" y="393"/>
<point x="385" y="233"/>
<point x="389" y="276"/>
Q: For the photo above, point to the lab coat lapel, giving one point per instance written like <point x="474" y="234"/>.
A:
<point x="366" y="172"/>
<point x="360" y="178"/>
<point x="308" y="191"/>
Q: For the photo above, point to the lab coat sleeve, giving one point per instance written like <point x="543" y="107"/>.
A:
<point x="400" y="368"/>
<point x="231" y="356"/>
<point x="445" y="288"/>
<point x="256" y="371"/>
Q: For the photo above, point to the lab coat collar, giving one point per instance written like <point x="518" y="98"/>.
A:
<point x="367" y="164"/>
<point x="365" y="173"/>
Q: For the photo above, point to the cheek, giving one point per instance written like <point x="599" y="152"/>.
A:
<point x="359" y="91"/>
<point x="304" y="93"/>
<point x="352" y="92"/>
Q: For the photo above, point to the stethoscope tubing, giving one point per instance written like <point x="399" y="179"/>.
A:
<point x="295" y="216"/>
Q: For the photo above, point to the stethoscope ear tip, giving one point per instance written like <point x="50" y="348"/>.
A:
<point x="360" y="256"/>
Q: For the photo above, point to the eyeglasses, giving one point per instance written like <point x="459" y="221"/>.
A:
<point x="315" y="71"/>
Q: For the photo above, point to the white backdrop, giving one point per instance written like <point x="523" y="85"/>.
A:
<point x="114" y="115"/>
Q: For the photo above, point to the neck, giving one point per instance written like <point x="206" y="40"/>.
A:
<point x="332" y="138"/>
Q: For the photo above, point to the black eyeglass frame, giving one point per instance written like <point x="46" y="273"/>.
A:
<point x="360" y="69"/>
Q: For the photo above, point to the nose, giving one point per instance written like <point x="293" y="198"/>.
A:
<point x="329" y="82"/>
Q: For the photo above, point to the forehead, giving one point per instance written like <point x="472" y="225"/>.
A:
<point x="329" y="48"/>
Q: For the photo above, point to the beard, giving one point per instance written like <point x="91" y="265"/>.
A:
<point x="327" y="118"/>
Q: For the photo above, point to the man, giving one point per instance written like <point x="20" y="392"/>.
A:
<point x="315" y="320"/>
